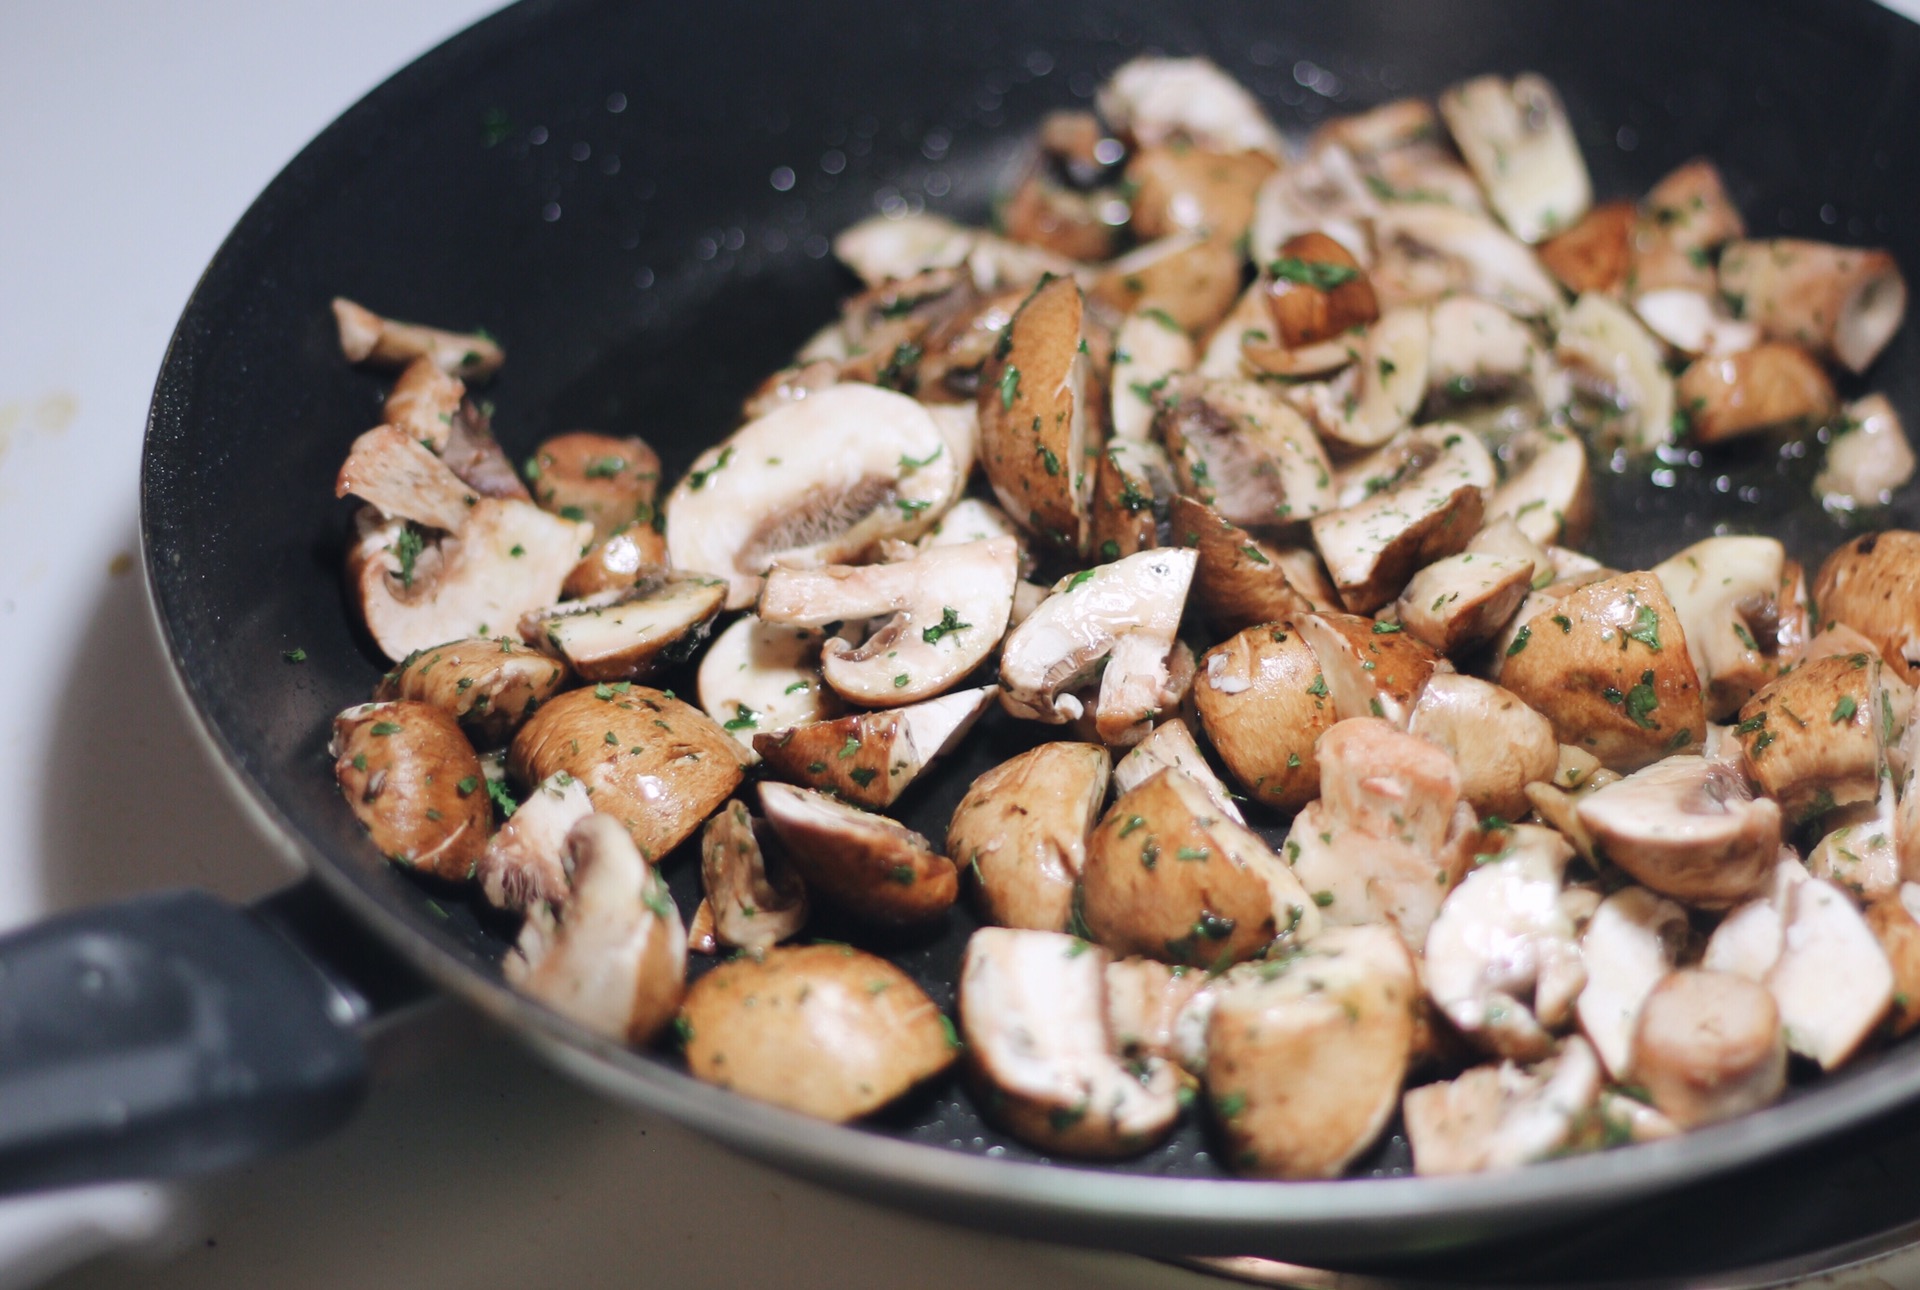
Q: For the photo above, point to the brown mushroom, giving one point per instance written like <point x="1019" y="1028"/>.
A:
<point x="626" y="635"/>
<point x="1516" y="138"/>
<point x="488" y="684"/>
<point x="758" y="677"/>
<point x="606" y="481"/>
<point x="1318" y="291"/>
<point x="627" y="557"/>
<point x="1381" y="387"/>
<point x="1237" y="581"/>
<point x="752" y="895"/>
<point x="1193" y="278"/>
<point x="870" y="758"/>
<point x="412" y="779"/>
<point x="1263" y="702"/>
<point x="1499" y="1117"/>
<point x="1897" y="927"/>
<point x="1594" y="253"/>
<point x="1239" y="448"/>
<point x="1772" y="384"/>
<point x="1839" y="302"/>
<point x="826" y="1030"/>
<point x="1730" y="595"/>
<point x="1868" y="460"/>
<point x="1869" y="584"/>
<point x="526" y="861"/>
<point x="1499" y="744"/>
<point x="1462" y="601"/>
<point x="1709" y="1047"/>
<point x="1811" y="739"/>
<point x="366" y="337"/>
<point x="1833" y="982"/>
<point x="1371" y="669"/>
<point x="1177" y="188"/>
<point x="1688" y="828"/>
<point x="1022" y="828"/>
<point x="869" y="865"/>
<point x="1547" y="491"/>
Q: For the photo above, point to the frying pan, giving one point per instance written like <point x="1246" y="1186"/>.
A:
<point x="636" y="199"/>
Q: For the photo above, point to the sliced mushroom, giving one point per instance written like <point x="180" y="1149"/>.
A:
<point x="869" y="758"/>
<point x="941" y="614"/>
<point x="1695" y="323"/>
<point x="1515" y="136"/>
<point x="1154" y="101"/>
<point x="1128" y="477"/>
<point x="1501" y="1117"/>
<point x="626" y="635"/>
<point x="412" y="779"/>
<point x="1169" y="876"/>
<point x="1615" y="362"/>
<point x="526" y="862"/>
<point x="1685" y="218"/>
<point x="1897" y="927"/>
<point x="754" y="897"/>
<point x="1839" y="302"/>
<point x="1608" y="665"/>
<point x="1859" y="852"/>
<point x="1688" y="828"/>
<point x="1145" y="1000"/>
<point x="1389" y="837"/>
<point x="1239" y="448"/>
<point x="1464" y="600"/>
<point x="1832" y="981"/>
<point x="658" y="765"/>
<point x="1773" y="384"/>
<point x="1317" y="291"/>
<point x="883" y="249"/>
<point x="1149" y="349"/>
<point x="1630" y="945"/>
<point x="488" y="684"/>
<point x="424" y="402"/>
<point x="1479" y="350"/>
<point x="1498" y="743"/>
<point x="1811" y="739"/>
<point x="1221" y="349"/>
<point x="1022" y="828"/>
<point x="1305" y="1064"/>
<point x="1428" y="251"/>
<point x="1324" y="193"/>
<point x="1595" y="252"/>
<point x="1179" y="188"/>
<point x="629" y="556"/>
<point x="1547" y="491"/>
<point x="1726" y="593"/>
<point x="1263" y="702"/>
<point x="617" y="961"/>
<point x="1502" y="949"/>
<point x="1377" y="396"/>
<point x="1237" y="581"/>
<point x="1431" y="510"/>
<point x="405" y="480"/>
<point x="1060" y="219"/>
<point x="1171" y="746"/>
<point x="366" y="337"/>
<point x="1193" y="278"/>
<point x="1033" y="1013"/>
<point x="608" y="482"/>
<point x="759" y="676"/>
<point x="1872" y="584"/>
<point x="812" y="483"/>
<point x="1708" y="1047"/>
<point x="1371" y="669"/>
<point x="1125" y="612"/>
<point x="1868" y="460"/>
<point x="874" y="868"/>
<point x="826" y="1030"/>
<point x="972" y="520"/>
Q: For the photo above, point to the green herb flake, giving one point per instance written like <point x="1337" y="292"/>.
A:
<point x="1520" y="640"/>
<point x="850" y="747"/>
<point x="1385" y="629"/>
<point x="949" y="623"/>
<point x="1009" y="387"/>
<point x="697" y="480"/>
<point x="1312" y="273"/>
<point x="744" y="718"/>
<point x="1844" y="709"/>
<point x="384" y="728"/>
<point x="1642" y="702"/>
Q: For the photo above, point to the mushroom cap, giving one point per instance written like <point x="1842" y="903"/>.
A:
<point x="1237" y="581"/>
<point x="1172" y="746"/>
<point x="1371" y="669"/>
<point x="1771" y="384"/>
<point x="1238" y="447"/>
<point x="413" y="780"/>
<point x="1497" y="742"/>
<point x="1148" y="350"/>
<point x="488" y="684"/>
<point x="826" y="1030"/>
<point x="1728" y="594"/>
<point x="1516" y="137"/>
<point x="758" y="676"/>
<point x="1812" y="739"/>
<point x="1897" y="928"/>
<point x="1709" y="1046"/>
<point x="870" y="758"/>
<point x="609" y="481"/>
<point x="1021" y="830"/>
<point x="873" y="867"/>
<point x="1263" y="702"/>
<point x="1193" y="278"/>
<point x="753" y="897"/>
<point x="1872" y="584"/>
<point x="625" y="635"/>
<point x="1595" y="252"/>
<point x="818" y="481"/>
<point x="1381" y="388"/>
<point x="1177" y="188"/>
<point x="1037" y="416"/>
<point x="1463" y="600"/>
<point x="658" y="765"/>
<point x="1687" y="828"/>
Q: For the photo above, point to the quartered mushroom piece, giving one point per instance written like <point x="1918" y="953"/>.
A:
<point x="526" y="862"/>
<point x="1498" y="743"/>
<point x="1176" y="187"/>
<point x="627" y="635"/>
<point x="1839" y="302"/>
<point x="1021" y="831"/>
<point x="1171" y="747"/>
<point x="1515" y="136"/>
<point x="1151" y="101"/>
<point x="1462" y="601"/>
<point x="1146" y="1000"/>
<point x="1305" y="1061"/>
<point x="1895" y="922"/>
<point x="1501" y="1117"/>
<point x="488" y="684"/>
<point x="1324" y="193"/>
<point x="1263" y="701"/>
<point x="1872" y="584"/>
<point x="1131" y="478"/>
<point x="874" y="867"/>
<point x="614" y="958"/>
<point x="758" y="676"/>
<point x="870" y="758"/>
<point x="1316" y="292"/>
<point x="609" y="482"/>
<point x="1595" y="253"/>
<point x="366" y="337"/>
<point x="1369" y="669"/>
<point x="410" y="776"/>
<point x="934" y="617"/>
<point x="1379" y="390"/>
<point x="1148" y="351"/>
<point x="1033" y="1013"/>
<point x="826" y="1030"/>
<point x="1193" y="278"/>
<point x="1123" y="614"/>
<point x="1239" y="448"/>
<point x="1688" y="828"/>
<point x="1616" y="364"/>
<point x="753" y="898"/>
<point x="1769" y="385"/>
<point x="1709" y="1046"/>
<point x="816" y="482"/>
<point x="1238" y="580"/>
<point x="1727" y="592"/>
<point x="1868" y="459"/>
<point x="1427" y="251"/>
<point x="1547" y="491"/>
<point x="1630" y="945"/>
<point x="1813" y="739"/>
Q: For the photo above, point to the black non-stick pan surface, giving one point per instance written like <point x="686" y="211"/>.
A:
<point x="637" y="200"/>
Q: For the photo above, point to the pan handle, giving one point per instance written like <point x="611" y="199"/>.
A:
<point x="173" y="1034"/>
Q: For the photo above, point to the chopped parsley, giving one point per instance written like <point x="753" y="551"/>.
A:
<point x="949" y="623"/>
<point x="697" y="480"/>
<point x="744" y="718"/>
<point x="295" y="655"/>
<point x="1009" y="387"/>
<point x="1520" y="640"/>
<point x="605" y="467"/>
<point x="406" y="549"/>
<point x="1645" y="629"/>
<point x="1317" y="274"/>
<point x="1844" y="710"/>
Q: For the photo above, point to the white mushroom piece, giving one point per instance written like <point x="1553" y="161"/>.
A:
<point x="816" y="482"/>
<point x="1240" y="449"/>
<point x="1547" y="492"/>
<point x="412" y="779"/>
<point x="1502" y="962"/>
<point x="1153" y="101"/>
<point x="758" y="676"/>
<point x="753" y="899"/>
<point x="526" y="862"/>
<point x="1122" y="614"/>
<point x="1839" y="302"/>
<point x="1389" y="837"/>
<point x="1868" y="459"/>
<point x="433" y="562"/>
<point x="1498" y="743"/>
<point x="1148" y="350"/>
<point x="1727" y="594"/>
<point x="1688" y="828"/>
<point x="1709" y="1046"/>
<point x="935" y="617"/>
<point x="1305" y="1061"/>
<point x="1021" y="831"/>
<point x="870" y="758"/>
<point x="875" y="868"/>
<point x="1616" y="364"/>
<point x="1324" y="193"/>
<point x="1430" y="510"/>
<point x="1500" y="1117"/>
<point x="1380" y="390"/>
<point x="1427" y="251"/>
<point x="626" y="635"/>
<point x="1462" y="601"/>
<point x="366" y="337"/>
<point x="1171" y="746"/>
<point x="1630" y="945"/>
<point x="1515" y="136"/>
<point x="616" y="961"/>
<point x="1478" y="351"/>
<point x="1033" y="1014"/>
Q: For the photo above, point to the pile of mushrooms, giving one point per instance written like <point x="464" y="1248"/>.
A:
<point x="1248" y="484"/>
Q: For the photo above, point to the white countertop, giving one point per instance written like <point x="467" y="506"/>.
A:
<point x="132" y="136"/>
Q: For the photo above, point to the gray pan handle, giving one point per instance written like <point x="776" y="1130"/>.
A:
<point x="176" y="1034"/>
